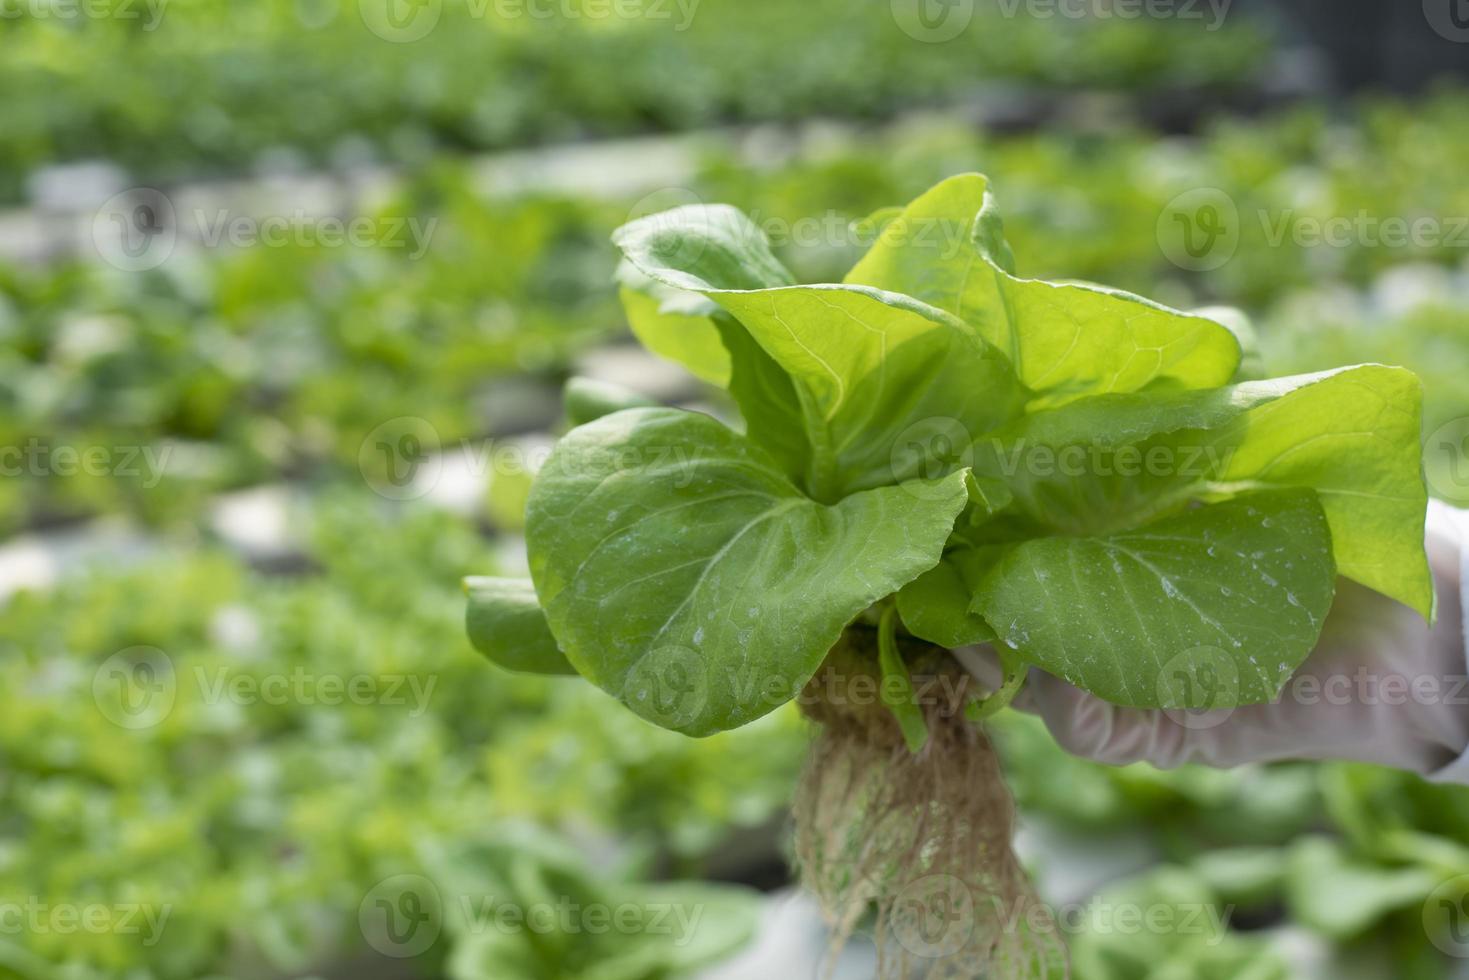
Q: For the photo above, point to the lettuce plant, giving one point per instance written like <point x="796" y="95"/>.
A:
<point x="521" y="906"/>
<point x="936" y="453"/>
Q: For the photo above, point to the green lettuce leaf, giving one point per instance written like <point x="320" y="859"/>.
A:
<point x="1212" y="608"/>
<point x="506" y="624"/>
<point x="1194" y="940"/>
<point x="674" y="325"/>
<point x="768" y="400"/>
<point x="1092" y="479"/>
<point x="682" y="573"/>
<point x="897" y="685"/>
<point x="588" y="399"/>
<point x="1340" y="897"/>
<point x="874" y="373"/>
<point x="686" y="925"/>
<point x="936" y="605"/>
<point x="1066" y="340"/>
<point x="1352" y="435"/>
<point x="693" y="330"/>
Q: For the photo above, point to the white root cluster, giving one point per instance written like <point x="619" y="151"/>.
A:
<point x="916" y="847"/>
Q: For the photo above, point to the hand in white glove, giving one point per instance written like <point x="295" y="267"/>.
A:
<point x="1382" y="686"/>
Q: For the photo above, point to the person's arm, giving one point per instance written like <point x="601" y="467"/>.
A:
<point x="1382" y="686"/>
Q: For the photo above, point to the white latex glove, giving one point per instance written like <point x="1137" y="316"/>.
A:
<point x="1382" y="686"/>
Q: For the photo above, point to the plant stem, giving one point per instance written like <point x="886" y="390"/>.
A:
<point x="1015" y="673"/>
<point x="897" y="685"/>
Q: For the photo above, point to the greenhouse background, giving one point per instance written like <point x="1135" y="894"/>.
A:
<point x="288" y="293"/>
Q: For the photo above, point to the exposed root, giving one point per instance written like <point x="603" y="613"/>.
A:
<point x="915" y="847"/>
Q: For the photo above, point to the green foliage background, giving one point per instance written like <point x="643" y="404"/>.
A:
<point x="264" y="825"/>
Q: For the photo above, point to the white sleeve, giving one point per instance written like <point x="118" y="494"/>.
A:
<point x="1453" y="524"/>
